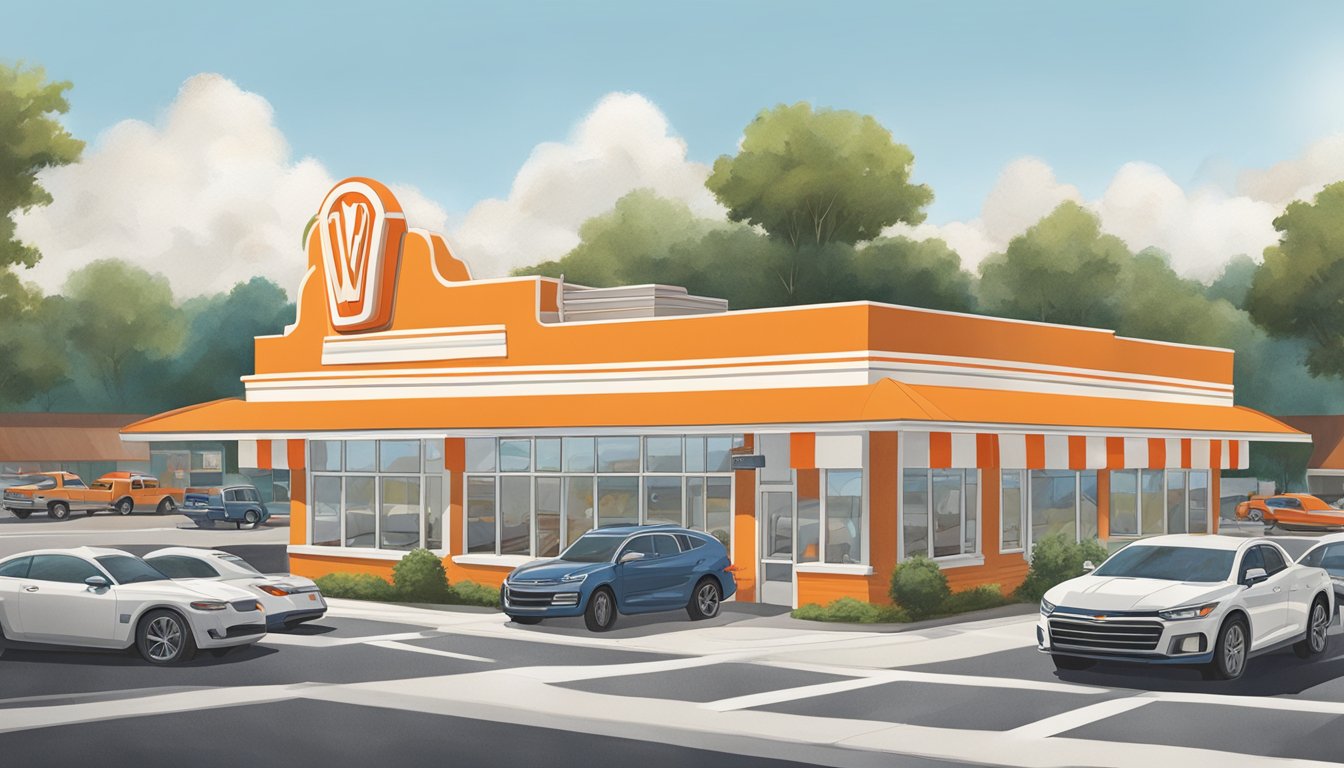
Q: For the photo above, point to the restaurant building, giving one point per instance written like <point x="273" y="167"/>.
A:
<point x="495" y="420"/>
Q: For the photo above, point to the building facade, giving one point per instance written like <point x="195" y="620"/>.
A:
<point x="495" y="420"/>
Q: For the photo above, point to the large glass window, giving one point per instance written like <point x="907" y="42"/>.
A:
<point x="360" y="522"/>
<point x="1087" y="504"/>
<point x="548" y="515"/>
<point x="579" y="507"/>
<point x="662" y="454"/>
<point x="662" y="500"/>
<point x="435" y="506"/>
<point x="1199" y="501"/>
<point x="1125" y="502"/>
<point x="327" y="511"/>
<point x="844" y="516"/>
<point x="515" y="515"/>
<point x="1176" y="508"/>
<point x="1054" y="504"/>
<point x="940" y="512"/>
<point x="399" y="512"/>
<point x="1012" y="510"/>
<point x="719" y="508"/>
<point x="1152" y="502"/>
<point x="375" y="494"/>
<point x="481" y="514"/>
<point x="618" y="454"/>
<point x="617" y="501"/>
<point x="360" y="456"/>
<point x="401" y="456"/>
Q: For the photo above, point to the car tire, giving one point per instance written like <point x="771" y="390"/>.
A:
<point x="527" y="620"/>
<point x="252" y="518"/>
<point x="58" y="510"/>
<point x="1229" y="651"/>
<point x="705" y="601"/>
<point x="1317" y="639"/>
<point x="1072" y="663"/>
<point x="22" y="514"/>
<point x="124" y="507"/>
<point x="166" y="506"/>
<point x="600" y="613"/>
<point x="163" y="637"/>
<point x="1255" y="516"/>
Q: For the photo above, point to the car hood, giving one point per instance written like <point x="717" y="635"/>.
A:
<point x="190" y="589"/>
<point x="1114" y="593"/>
<point x="553" y="569"/>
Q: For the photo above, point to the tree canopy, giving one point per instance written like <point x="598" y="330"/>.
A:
<point x="813" y="177"/>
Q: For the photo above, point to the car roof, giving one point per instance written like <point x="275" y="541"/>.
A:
<point x="1200" y="541"/>
<point x="88" y="552"/>
<point x="627" y="530"/>
<point x="187" y="551"/>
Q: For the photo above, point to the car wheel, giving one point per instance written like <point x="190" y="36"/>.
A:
<point x="1255" y="516"/>
<point x="1072" y="663"/>
<point x="166" y="506"/>
<point x="705" y="600"/>
<point x="600" y="615"/>
<point x="22" y="514"/>
<point x="252" y="518"/>
<point x="124" y="507"/>
<point x="1318" y="628"/>
<point x="164" y="637"/>
<point x="58" y="511"/>
<point x="527" y="620"/>
<point x="1229" y="653"/>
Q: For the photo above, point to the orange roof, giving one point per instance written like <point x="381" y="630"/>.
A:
<point x="66" y="437"/>
<point x="885" y="401"/>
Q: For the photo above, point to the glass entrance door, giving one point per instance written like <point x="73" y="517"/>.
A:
<point x="778" y="538"/>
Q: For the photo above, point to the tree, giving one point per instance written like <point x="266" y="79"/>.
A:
<point x="34" y="362"/>
<point x="1234" y="284"/>
<point x="1061" y="270"/>
<point x="816" y="177"/>
<point x="1299" y="289"/>
<point x="31" y="139"/>
<point x="123" y="316"/>
<point x="915" y="273"/>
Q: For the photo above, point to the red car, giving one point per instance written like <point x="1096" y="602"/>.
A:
<point x="1291" y="510"/>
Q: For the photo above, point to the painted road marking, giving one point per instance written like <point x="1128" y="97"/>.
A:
<point x="1068" y="721"/>
<point x="791" y="694"/>
<point x="396" y="646"/>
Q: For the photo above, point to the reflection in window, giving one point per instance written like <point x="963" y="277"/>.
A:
<point x="1152" y="502"/>
<point x="579" y="454"/>
<point x="548" y="454"/>
<point x="435" y="506"/>
<point x="617" y="500"/>
<point x="548" y="514"/>
<point x="481" y="514"/>
<point x="1199" y="501"/>
<point x="360" y="455"/>
<point x="515" y="515"/>
<point x="1125" y="502"/>
<point x="1176" y="502"/>
<point x="719" y="509"/>
<point x="1013" y="510"/>
<point x="662" y="500"/>
<point x="662" y="454"/>
<point x="360" y="522"/>
<point x="578" y="507"/>
<point x="1054" y="504"/>
<point x="327" y="511"/>
<point x="618" y="454"/>
<point x="326" y="455"/>
<point x="399" y="512"/>
<point x="399" y="456"/>
<point x="1087" y="504"/>
<point x="515" y="455"/>
<point x="915" y="511"/>
<point x="844" y="516"/>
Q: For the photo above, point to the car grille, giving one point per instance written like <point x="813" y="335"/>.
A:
<point x="243" y="630"/>
<point x="526" y="599"/>
<point x="1111" y="634"/>
<point x="244" y="606"/>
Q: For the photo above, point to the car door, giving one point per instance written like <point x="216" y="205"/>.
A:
<point x="1266" y="601"/>
<point x="671" y="573"/>
<point x="76" y="493"/>
<point x="638" y="578"/>
<point x="11" y="586"/>
<point x="56" y="606"/>
<point x="1298" y="602"/>
<point x="1289" y="512"/>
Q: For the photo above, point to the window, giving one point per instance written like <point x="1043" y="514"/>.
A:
<point x="844" y="516"/>
<point x="662" y="454"/>
<point x="662" y="500"/>
<point x="360" y="455"/>
<point x="547" y="501"/>
<point x="74" y="482"/>
<point x="371" y="494"/>
<point x="1152" y="503"/>
<point x="61" y="568"/>
<point x="16" y="568"/>
<point x="640" y="544"/>
<point x="129" y="570"/>
<point x="940" y="511"/>
<point x="1330" y="557"/>
<point x="326" y="511"/>
<point x="399" y="456"/>
<point x="617" y="501"/>
<point x="399" y="512"/>
<point x="1198" y="503"/>
<point x="1272" y="559"/>
<point x="360" y="502"/>
<point x="515" y="515"/>
<point x="515" y="455"/>
<point x="1252" y="559"/>
<point x="481" y="514"/>
<point x="618" y="454"/>
<point x="665" y="546"/>
<point x="548" y="454"/>
<point x="325" y="455"/>
<point x="1176" y="503"/>
<point x="178" y="567"/>
<point x="1012" y="510"/>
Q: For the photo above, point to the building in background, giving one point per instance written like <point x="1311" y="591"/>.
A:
<point x="494" y="421"/>
<point x="1325" y="467"/>
<point x="87" y="444"/>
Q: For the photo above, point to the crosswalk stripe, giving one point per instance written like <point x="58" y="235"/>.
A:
<point x="396" y="646"/>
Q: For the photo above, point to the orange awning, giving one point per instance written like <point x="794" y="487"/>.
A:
<point x="883" y="404"/>
<point x="53" y="437"/>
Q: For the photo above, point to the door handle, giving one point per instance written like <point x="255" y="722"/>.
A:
<point x="30" y="589"/>
<point x="1278" y="589"/>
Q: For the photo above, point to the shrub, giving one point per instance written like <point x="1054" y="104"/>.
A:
<point x="420" y="578"/>
<point x="850" y="610"/>
<point x="919" y="586"/>
<point x="471" y="593"/>
<point x="355" y="586"/>
<point x="976" y="599"/>
<point x="1056" y="559"/>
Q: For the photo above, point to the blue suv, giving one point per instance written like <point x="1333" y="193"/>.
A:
<point x="628" y="568"/>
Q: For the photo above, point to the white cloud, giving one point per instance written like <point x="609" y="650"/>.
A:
<point x="208" y="196"/>
<point x="624" y="144"/>
<point x="1201" y="228"/>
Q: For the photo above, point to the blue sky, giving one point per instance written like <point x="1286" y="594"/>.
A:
<point x="452" y="97"/>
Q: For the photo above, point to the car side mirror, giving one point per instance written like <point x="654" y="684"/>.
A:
<point x="1088" y="566"/>
<point x="97" y="582"/>
<point x="628" y="556"/>
<point x="1254" y="576"/>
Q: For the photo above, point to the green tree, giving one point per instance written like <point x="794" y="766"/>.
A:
<point x="1234" y="283"/>
<point x="1299" y="289"/>
<point x="31" y="139"/>
<point x="123" y="315"/>
<point x="915" y="273"/>
<point x="815" y="177"/>
<point x="1061" y="270"/>
<point x="34" y="360"/>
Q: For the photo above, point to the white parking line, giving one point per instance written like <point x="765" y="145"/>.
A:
<point x="318" y="641"/>
<point x="939" y="678"/>
<point x="1077" y="718"/>
<point x="792" y="694"/>
<point x="396" y="646"/>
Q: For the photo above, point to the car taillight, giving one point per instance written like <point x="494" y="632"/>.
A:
<point x="276" y="590"/>
<point x="730" y="569"/>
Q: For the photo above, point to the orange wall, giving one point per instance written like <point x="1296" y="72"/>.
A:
<point x="298" y="506"/>
<point x="744" y="534"/>
<point x="314" y="566"/>
<point x="883" y="518"/>
<point x="822" y="588"/>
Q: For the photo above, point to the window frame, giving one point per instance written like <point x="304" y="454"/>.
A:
<point x="343" y="474"/>
<point x="902" y="556"/>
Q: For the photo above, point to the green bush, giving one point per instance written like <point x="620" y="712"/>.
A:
<point x="471" y="593"/>
<point x="850" y="610"/>
<point x="919" y="586"/>
<point x="419" y="577"/>
<point x="976" y="599"/>
<point x="1056" y="559"/>
<point x="355" y="586"/>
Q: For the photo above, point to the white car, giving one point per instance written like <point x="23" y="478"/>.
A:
<point x="106" y="598"/>
<point x="288" y="600"/>
<point x="1324" y="552"/>
<point x="1211" y="601"/>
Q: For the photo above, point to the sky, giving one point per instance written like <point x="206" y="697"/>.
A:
<point x="1186" y="126"/>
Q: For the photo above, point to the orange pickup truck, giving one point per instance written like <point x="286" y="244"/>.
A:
<point x="59" y="493"/>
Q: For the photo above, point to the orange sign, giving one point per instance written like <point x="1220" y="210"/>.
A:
<point x="360" y="226"/>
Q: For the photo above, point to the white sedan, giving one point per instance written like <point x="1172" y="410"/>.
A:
<point x="1211" y="601"/>
<point x="288" y="600"/>
<point x="106" y="598"/>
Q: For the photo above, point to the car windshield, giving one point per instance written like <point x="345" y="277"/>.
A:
<point x="239" y="562"/>
<point x="592" y="549"/>
<point x="1169" y="563"/>
<point x="129" y="570"/>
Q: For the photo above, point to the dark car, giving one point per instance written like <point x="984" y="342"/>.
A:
<point x="237" y="504"/>
<point x="626" y="569"/>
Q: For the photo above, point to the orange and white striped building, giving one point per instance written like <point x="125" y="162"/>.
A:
<point x="495" y="420"/>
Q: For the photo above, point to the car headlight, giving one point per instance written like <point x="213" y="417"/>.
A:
<point x="1187" y="612"/>
<point x="573" y="578"/>
<point x="1047" y="607"/>
<point x="276" y="590"/>
<point x="209" y="605"/>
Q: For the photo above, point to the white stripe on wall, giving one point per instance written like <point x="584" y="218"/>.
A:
<point x="1199" y="454"/>
<point x="1244" y="455"/>
<point x="247" y="454"/>
<point x="1056" y="451"/>
<point x="963" y="450"/>
<point x="916" y="445"/>
<point x="1173" y="453"/>
<point x="1013" y="451"/>
<point x="279" y="454"/>
<point x="839" y="452"/>
<point x="1096" y="453"/>
<point x="1136" y="452"/>
<point x="1225" y="461"/>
